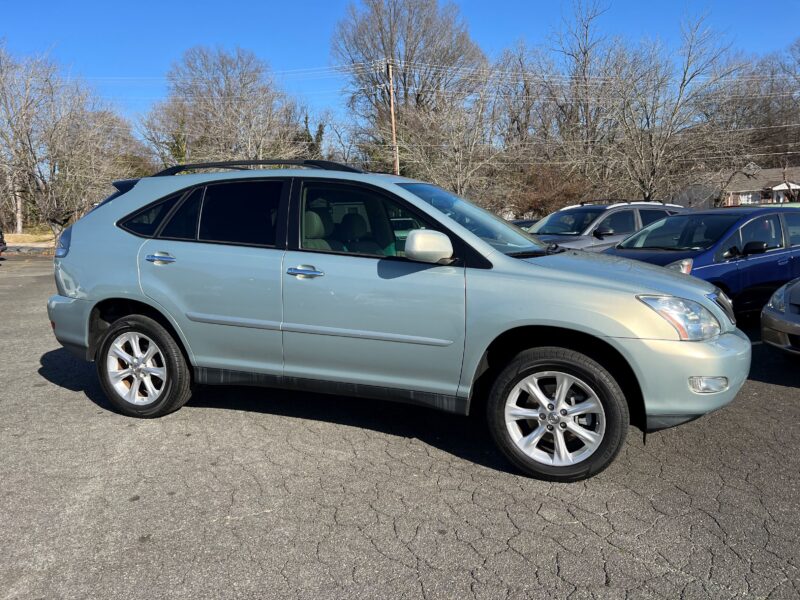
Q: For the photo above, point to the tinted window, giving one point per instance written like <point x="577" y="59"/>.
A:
<point x="241" y="213"/>
<point x="183" y="223"/>
<point x="683" y="232"/>
<point x="793" y="226"/>
<point x="651" y="216"/>
<point x="620" y="222"/>
<point x="571" y="221"/>
<point x="764" y="229"/>
<point x="146" y="222"/>
<point x="338" y="218"/>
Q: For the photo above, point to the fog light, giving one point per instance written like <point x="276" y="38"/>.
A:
<point x="708" y="385"/>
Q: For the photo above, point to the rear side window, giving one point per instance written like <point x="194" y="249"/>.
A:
<point x="764" y="229"/>
<point x="241" y="213"/>
<point x="651" y="216"/>
<point x="146" y="221"/>
<point x="620" y="222"/>
<point x="183" y="223"/>
<point x="793" y="227"/>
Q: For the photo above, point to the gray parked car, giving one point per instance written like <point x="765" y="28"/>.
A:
<point x="308" y="279"/>
<point x="597" y="226"/>
<point x="780" y="319"/>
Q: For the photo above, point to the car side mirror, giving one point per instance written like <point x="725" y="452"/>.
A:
<point x="731" y="252"/>
<point x="603" y="231"/>
<point x="754" y="248"/>
<point x="428" y="246"/>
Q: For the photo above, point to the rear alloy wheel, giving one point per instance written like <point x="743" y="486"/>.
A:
<point x="557" y="414"/>
<point x="141" y="368"/>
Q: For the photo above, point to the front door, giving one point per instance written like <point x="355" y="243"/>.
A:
<point x="355" y="310"/>
<point x="761" y="274"/>
<point x="215" y="267"/>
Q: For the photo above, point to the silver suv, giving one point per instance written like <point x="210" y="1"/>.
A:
<point x="597" y="226"/>
<point x="308" y="278"/>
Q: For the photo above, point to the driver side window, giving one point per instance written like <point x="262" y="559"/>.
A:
<point x="352" y="220"/>
<point x="764" y="229"/>
<point x="620" y="222"/>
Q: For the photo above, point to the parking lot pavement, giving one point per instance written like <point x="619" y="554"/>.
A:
<point x="253" y="493"/>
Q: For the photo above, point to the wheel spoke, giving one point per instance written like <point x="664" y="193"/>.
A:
<point x="152" y="350"/>
<point x="561" y="455"/>
<point x="117" y="376"/>
<point x="132" y="391"/>
<point x="518" y="413"/>
<point x="117" y="350"/>
<point x="530" y="441"/>
<point x="563" y="384"/>
<point x="590" y="405"/>
<point x="588" y="437"/>
<point x="152" y="392"/>
<point x="532" y="387"/>
<point x="159" y="372"/>
<point x="136" y="345"/>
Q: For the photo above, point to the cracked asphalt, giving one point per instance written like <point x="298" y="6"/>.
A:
<point x="254" y="493"/>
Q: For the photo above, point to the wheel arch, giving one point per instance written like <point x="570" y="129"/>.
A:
<point x="109" y="310"/>
<point x="513" y="341"/>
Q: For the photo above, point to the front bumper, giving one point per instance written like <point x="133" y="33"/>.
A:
<point x="70" y="319"/>
<point x="663" y="369"/>
<point x="781" y="330"/>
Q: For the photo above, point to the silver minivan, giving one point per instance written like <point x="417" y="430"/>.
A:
<point x="310" y="278"/>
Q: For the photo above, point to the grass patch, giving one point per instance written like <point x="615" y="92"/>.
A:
<point x="20" y="239"/>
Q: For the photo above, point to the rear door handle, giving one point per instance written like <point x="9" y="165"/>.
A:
<point x="305" y="272"/>
<point x="160" y="258"/>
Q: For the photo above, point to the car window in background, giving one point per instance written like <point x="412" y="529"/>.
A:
<point x="682" y="232"/>
<point x="620" y="222"/>
<point x="493" y="230"/>
<point x="793" y="227"/>
<point x="571" y="221"/>
<point x="764" y="229"/>
<point x="183" y="224"/>
<point x="649" y="216"/>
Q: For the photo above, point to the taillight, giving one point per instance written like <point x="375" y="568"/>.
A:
<point x="64" y="240"/>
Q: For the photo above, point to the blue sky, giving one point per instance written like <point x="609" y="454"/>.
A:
<point x="124" y="49"/>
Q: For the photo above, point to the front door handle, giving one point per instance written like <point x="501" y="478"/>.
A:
<point x="160" y="258"/>
<point x="305" y="272"/>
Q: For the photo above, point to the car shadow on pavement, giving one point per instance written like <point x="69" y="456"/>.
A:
<point x="464" y="437"/>
<point x="769" y="365"/>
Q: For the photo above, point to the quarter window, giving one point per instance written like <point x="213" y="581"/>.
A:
<point x="146" y="221"/>
<point x="183" y="223"/>
<point x="651" y="216"/>
<point x="241" y="213"/>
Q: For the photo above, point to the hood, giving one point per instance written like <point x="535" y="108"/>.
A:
<point x="652" y="256"/>
<point x="608" y="271"/>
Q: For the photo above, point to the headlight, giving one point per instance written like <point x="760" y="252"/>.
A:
<point x="778" y="300"/>
<point x="691" y="320"/>
<point x="684" y="265"/>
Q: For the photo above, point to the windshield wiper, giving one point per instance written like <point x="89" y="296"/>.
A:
<point x="550" y="249"/>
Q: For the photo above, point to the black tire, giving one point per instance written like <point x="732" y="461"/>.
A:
<point x="177" y="389"/>
<point x="573" y="363"/>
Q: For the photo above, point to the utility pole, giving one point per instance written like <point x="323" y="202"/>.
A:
<point x="391" y="110"/>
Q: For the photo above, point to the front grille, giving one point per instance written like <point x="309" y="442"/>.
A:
<point x="724" y="303"/>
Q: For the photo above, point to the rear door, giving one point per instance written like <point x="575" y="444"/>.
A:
<point x="355" y="310"/>
<point x="621" y="221"/>
<point x="761" y="274"/>
<point x="215" y="266"/>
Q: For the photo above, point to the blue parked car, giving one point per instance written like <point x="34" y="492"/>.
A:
<point x="746" y="252"/>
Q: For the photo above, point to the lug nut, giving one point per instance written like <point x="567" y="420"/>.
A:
<point x="563" y="412"/>
<point x="550" y="407"/>
<point x="542" y="416"/>
<point x="549" y="428"/>
<point x="562" y="425"/>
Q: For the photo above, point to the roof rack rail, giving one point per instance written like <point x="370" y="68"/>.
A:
<point x="327" y="165"/>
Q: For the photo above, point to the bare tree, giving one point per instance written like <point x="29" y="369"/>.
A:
<point x="224" y="105"/>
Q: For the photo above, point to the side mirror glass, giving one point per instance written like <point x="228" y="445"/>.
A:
<point x="754" y="248"/>
<point x="428" y="246"/>
<point x="731" y="252"/>
<point x="603" y="231"/>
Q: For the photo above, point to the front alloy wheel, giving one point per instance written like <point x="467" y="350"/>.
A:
<point x="557" y="414"/>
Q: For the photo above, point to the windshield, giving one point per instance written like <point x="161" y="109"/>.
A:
<point x="682" y="232"/>
<point x="571" y="221"/>
<point x="493" y="230"/>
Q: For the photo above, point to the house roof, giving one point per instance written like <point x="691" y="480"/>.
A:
<point x="762" y="179"/>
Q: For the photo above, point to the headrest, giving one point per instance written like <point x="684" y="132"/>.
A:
<point x="353" y="226"/>
<point x="313" y="229"/>
<point x="327" y="220"/>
